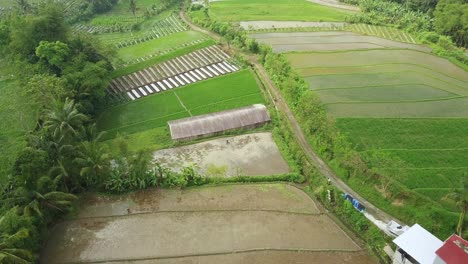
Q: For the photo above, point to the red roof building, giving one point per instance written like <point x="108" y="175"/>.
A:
<point x="454" y="251"/>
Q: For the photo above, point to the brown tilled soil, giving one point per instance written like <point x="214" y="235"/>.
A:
<point x="263" y="223"/>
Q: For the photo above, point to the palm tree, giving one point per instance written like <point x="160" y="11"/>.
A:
<point x="94" y="161"/>
<point x="10" y="254"/>
<point x="42" y="197"/>
<point x="460" y="197"/>
<point x="64" y="119"/>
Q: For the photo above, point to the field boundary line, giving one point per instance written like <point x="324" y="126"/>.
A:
<point x="398" y="102"/>
<point x="316" y="214"/>
<point x="238" y="251"/>
<point x="182" y="104"/>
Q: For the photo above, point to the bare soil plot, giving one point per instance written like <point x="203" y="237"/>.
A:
<point x="256" y="25"/>
<point x="251" y="154"/>
<point x="324" y="41"/>
<point x="174" y="235"/>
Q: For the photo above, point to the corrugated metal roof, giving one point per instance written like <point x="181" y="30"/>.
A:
<point x="419" y="243"/>
<point x="218" y="122"/>
<point x="454" y="250"/>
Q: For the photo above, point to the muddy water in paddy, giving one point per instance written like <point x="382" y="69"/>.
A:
<point x="177" y="226"/>
<point x="251" y="154"/>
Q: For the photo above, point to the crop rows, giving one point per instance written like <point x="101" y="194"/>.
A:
<point x="109" y="25"/>
<point x="163" y="52"/>
<point x="384" y="32"/>
<point x="167" y="26"/>
<point x="190" y="68"/>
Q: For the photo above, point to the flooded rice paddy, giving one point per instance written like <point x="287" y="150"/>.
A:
<point x="251" y="154"/>
<point x="267" y="223"/>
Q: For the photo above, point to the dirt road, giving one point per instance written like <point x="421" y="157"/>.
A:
<point x="282" y="106"/>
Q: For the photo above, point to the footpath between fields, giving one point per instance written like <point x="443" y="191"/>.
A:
<point x="373" y="213"/>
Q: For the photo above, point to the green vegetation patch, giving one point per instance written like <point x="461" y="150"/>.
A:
<point x="437" y="108"/>
<point x="383" y="32"/>
<point x="434" y="151"/>
<point x="388" y="93"/>
<point x="17" y="116"/>
<point x="222" y="93"/>
<point x="302" y="10"/>
<point x="157" y="59"/>
<point x="157" y="45"/>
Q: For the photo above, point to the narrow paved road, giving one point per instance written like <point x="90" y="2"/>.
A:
<point x="282" y="106"/>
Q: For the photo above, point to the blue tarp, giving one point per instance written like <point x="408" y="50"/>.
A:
<point x="356" y="204"/>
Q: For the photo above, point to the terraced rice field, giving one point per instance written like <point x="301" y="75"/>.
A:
<point x="143" y="122"/>
<point x="190" y="68"/>
<point x="278" y="10"/>
<point x="208" y="224"/>
<point x="161" y="46"/>
<point x="395" y="98"/>
<point x="152" y="29"/>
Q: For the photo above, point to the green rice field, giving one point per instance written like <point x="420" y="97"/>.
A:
<point x="155" y="46"/>
<point x="17" y="118"/>
<point x="434" y="151"/>
<point x="277" y="10"/>
<point x="400" y="100"/>
<point x="144" y="122"/>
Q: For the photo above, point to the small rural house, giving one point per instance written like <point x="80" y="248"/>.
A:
<point x="217" y="123"/>
<point x="419" y="246"/>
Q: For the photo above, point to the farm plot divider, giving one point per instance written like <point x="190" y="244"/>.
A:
<point x="190" y="68"/>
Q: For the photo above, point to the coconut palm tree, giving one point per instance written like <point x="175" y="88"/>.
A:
<point x="64" y="119"/>
<point x="10" y="254"/>
<point x="460" y="197"/>
<point x="43" y="197"/>
<point x="94" y="161"/>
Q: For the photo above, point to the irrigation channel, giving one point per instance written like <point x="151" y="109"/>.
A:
<point x="373" y="213"/>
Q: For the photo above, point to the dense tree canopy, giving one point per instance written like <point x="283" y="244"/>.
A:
<point x="451" y="18"/>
